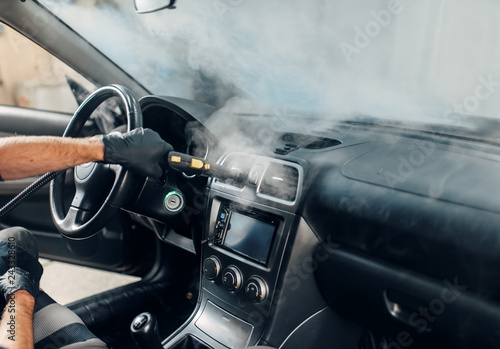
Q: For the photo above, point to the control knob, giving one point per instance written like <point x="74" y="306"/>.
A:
<point x="256" y="289"/>
<point x="232" y="279"/>
<point x="211" y="268"/>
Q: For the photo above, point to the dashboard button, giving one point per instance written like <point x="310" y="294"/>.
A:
<point x="232" y="279"/>
<point x="223" y="216"/>
<point x="211" y="268"/>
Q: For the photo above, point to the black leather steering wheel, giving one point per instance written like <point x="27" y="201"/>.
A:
<point x="94" y="203"/>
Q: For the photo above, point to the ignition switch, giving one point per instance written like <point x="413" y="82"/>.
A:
<point x="174" y="201"/>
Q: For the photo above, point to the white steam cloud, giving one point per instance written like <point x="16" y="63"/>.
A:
<point x="415" y="60"/>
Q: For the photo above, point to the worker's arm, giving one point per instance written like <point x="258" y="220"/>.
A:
<point x="140" y="150"/>
<point x="16" y="325"/>
<point x="22" y="157"/>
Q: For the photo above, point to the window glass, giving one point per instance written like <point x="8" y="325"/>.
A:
<point x="408" y="60"/>
<point x="30" y="77"/>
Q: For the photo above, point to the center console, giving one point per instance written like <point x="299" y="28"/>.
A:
<point x="243" y="246"/>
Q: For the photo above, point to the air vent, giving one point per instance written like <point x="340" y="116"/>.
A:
<point x="293" y="141"/>
<point x="237" y="163"/>
<point x="322" y="143"/>
<point x="280" y="182"/>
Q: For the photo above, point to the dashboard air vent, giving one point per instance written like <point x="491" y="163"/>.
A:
<point x="322" y="143"/>
<point x="280" y="182"/>
<point x="293" y="141"/>
<point x="237" y="163"/>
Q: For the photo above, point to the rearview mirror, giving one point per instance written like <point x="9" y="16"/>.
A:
<point x="145" y="6"/>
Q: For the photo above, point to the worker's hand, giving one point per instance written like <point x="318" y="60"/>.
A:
<point x="140" y="151"/>
<point x="19" y="266"/>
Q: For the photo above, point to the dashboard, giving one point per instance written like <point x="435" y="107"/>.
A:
<point x="334" y="227"/>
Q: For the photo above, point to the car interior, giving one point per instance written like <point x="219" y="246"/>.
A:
<point x="265" y="229"/>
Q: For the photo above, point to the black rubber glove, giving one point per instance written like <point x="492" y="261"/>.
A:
<point x="19" y="266"/>
<point x="140" y="151"/>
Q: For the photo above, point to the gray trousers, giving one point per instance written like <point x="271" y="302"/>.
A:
<point x="54" y="325"/>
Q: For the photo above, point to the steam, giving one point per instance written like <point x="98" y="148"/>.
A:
<point x="420" y="60"/>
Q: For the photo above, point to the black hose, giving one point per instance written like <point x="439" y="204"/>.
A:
<point x="31" y="189"/>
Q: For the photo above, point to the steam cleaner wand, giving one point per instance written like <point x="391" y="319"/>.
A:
<point x="194" y="165"/>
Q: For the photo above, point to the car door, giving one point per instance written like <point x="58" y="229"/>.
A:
<point x="36" y="99"/>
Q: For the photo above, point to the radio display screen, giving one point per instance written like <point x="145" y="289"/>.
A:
<point x="249" y="236"/>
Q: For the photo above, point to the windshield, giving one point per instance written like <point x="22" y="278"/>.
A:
<point x="408" y="60"/>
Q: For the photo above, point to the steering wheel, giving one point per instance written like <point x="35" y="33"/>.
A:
<point x="94" y="204"/>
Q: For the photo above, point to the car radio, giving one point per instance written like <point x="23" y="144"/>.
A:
<point x="245" y="232"/>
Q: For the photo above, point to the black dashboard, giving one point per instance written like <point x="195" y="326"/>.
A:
<point x="357" y="225"/>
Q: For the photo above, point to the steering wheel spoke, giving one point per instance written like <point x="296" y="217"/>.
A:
<point x="117" y="169"/>
<point x="75" y="218"/>
<point x="78" y="198"/>
<point x="101" y="189"/>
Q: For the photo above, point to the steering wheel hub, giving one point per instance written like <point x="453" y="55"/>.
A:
<point x="82" y="172"/>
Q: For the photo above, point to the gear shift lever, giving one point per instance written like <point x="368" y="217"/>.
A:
<point x="144" y="330"/>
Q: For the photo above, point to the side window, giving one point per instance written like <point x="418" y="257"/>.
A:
<point x="30" y="77"/>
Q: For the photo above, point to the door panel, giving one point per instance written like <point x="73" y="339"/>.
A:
<point x="24" y="121"/>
